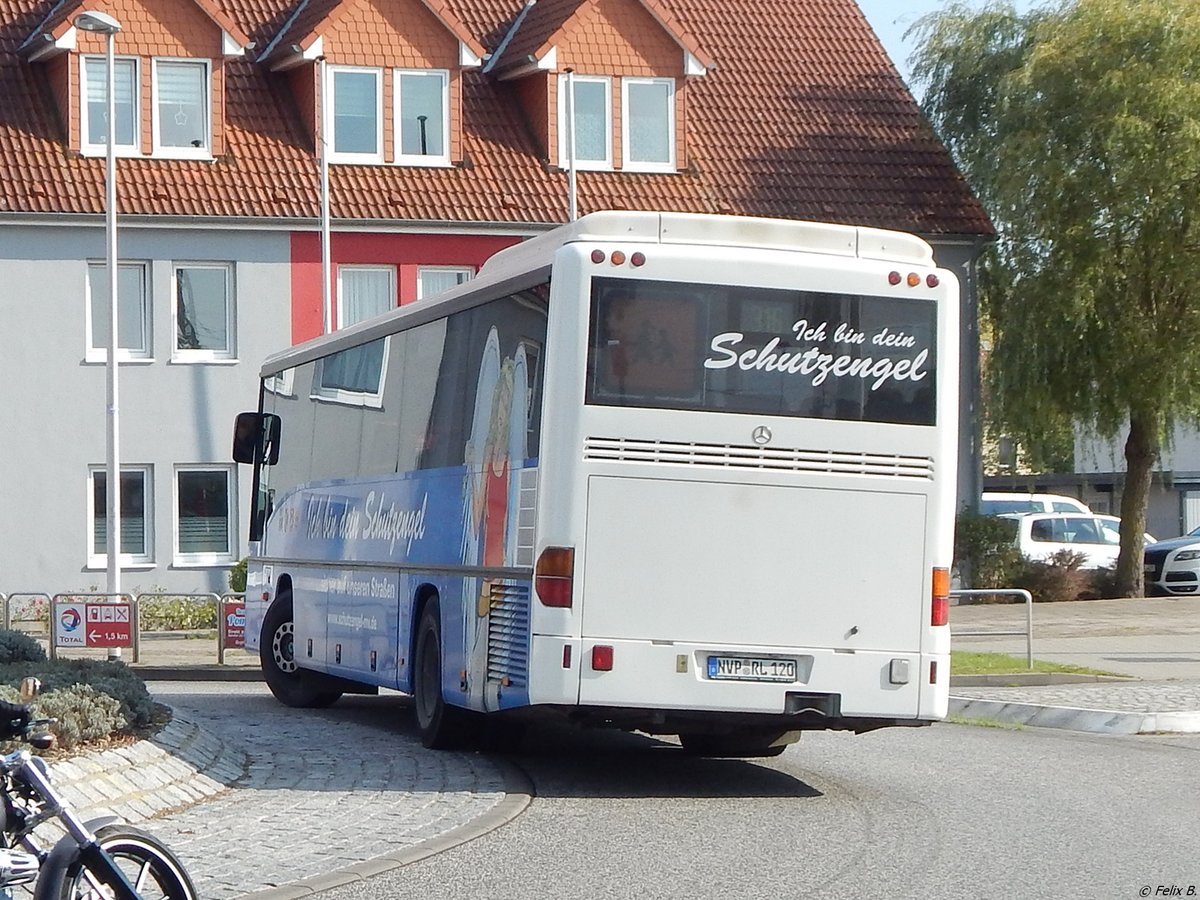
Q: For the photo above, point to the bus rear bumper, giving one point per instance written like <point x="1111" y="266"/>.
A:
<point x="658" y="682"/>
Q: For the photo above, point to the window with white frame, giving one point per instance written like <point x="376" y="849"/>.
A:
<point x="422" y="117"/>
<point x="364" y="292"/>
<point x="133" y="312"/>
<point x="204" y="311"/>
<point x="435" y="279"/>
<point x="648" y="124"/>
<point x="182" y="108"/>
<point x="591" y="113"/>
<point x="355" y="376"/>
<point x="94" y="109"/>
<point x="136" y="517"/>
<point x="356" y="115"/>
<point x="204" y="515"/>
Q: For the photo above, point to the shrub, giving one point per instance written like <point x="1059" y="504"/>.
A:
<point x="81" y="713"/>
<point x="985" y="552"/>
<point x="17" y="647"/>
<point x="237" y="576"/>
<point x="112" y="679"/>
<point x="168" y="612"/>
<point x="1058" y="578"/>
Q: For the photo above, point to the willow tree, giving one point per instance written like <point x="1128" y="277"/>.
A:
<point x="1078" y="124"/>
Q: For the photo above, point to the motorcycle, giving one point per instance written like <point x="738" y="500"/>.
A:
<point x="101" y="859"/>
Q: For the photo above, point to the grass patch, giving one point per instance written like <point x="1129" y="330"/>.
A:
<point x="965" y="662"/>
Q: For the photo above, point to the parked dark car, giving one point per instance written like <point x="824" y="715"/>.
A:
<point x="1173" y="566"/>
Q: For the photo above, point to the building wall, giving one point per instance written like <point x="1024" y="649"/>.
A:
<point x="170" y="413"/>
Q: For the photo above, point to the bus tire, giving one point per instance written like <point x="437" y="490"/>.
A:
<point x="291" y="685"/>
<point x="731" y="745"/>
<point x="440" y="725"/>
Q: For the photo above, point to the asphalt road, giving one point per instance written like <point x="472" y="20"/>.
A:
<point x="946" y="811"/>
<point x="949" y="811"/>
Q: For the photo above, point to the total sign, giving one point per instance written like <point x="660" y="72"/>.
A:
<point x="93" y="625"/>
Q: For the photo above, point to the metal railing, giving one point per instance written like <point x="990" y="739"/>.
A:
<point x="11" y="600"/>
<point x="229" y="609"/>
<point x="1004" y="592"/>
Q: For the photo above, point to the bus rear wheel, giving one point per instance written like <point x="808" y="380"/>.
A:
<point x="291" y="685"/>
<point x="441" y="726"/>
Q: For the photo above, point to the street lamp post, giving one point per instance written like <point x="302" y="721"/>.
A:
<point x="101" y="23"/>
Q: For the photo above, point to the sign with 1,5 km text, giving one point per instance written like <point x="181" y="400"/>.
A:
<point x="94" y="625"/>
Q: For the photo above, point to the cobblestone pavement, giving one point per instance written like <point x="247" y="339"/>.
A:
<point x="298" y="798"/>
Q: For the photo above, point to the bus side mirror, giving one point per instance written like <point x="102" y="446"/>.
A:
<point x="256" y="438"/>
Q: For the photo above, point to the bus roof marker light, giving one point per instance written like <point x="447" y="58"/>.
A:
<point x="913" y="279"/>
<point x="894" y="278"/>
<point x="597" y="256"/>
<point x="931" y="280"/>
<point x="638" y="259"/>
<point x="618" y="258"/>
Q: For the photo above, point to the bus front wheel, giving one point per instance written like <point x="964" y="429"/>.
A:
<point x="441" y="726"/>
<point x="291" y="685"/>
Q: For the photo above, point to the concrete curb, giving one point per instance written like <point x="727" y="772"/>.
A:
<point x="1093" y="721"/>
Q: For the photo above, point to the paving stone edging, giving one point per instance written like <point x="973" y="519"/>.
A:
<point x="181" y="765"/>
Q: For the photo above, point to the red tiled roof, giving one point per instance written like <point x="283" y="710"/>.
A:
<point x="313" y="17"/>
<point x="803" y="116"/>
<point x="548" y="20"/>
<point x="61" y="18"/>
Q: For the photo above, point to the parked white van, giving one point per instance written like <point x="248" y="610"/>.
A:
<point x="994" y="503"/>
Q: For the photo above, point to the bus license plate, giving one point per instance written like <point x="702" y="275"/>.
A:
<point x="751" y="668"/>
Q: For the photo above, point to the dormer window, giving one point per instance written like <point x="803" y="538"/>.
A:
<point x="648" y="124"/>
<point x="592" y="115"/>
<point x="94" y="110"/>
<point x="356" y="114"/>
<point x="182" y="119"/>
<point x="422" y="122"/>
<point x="419" y="131"/>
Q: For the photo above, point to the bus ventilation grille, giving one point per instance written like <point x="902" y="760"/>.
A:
<point x="508" y="633"/>
<point x="780" y="459"/>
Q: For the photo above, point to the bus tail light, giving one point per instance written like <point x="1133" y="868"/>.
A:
<point x="941" y="597"/>
<point x="602" y="658"/>
<point x="554" y="576"/>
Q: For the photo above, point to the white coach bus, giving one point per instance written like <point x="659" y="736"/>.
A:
<point x="690" y="475"/>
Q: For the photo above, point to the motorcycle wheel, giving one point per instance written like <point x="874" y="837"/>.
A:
<point x="154" y="871"/>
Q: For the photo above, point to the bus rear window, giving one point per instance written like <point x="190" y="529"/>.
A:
<point x="730" y="348"/>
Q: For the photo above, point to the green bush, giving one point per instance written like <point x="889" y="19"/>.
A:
<point x="237" y="576"/>
<point x="16" y="647"/>
<point x="985" y="551"/>
<point x="81" y="713"/>
<point x="113" y="679"/>
<point x="168" y="612"/>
